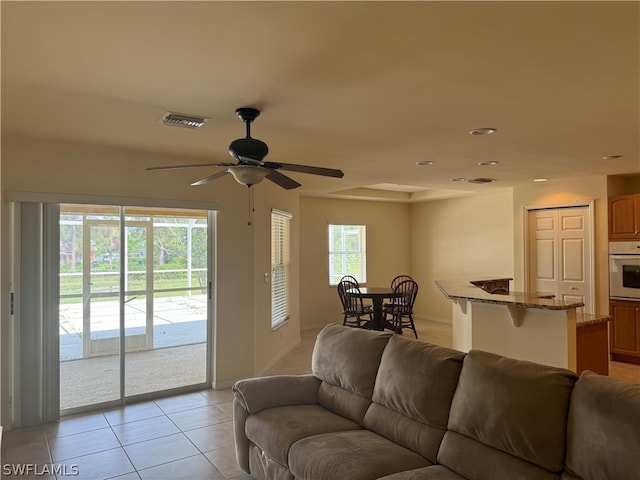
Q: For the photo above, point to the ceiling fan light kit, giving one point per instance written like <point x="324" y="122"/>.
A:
<point x="250" y="168"/>
<point x="248" y="174"/>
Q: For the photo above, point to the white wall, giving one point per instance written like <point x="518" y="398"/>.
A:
<point x="458" y="238"/>
<point x="387" y="250"/>
<point x="244" y="343"/>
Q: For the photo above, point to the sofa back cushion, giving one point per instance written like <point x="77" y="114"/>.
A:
<point x="413" y="392"/>
<point x="346" y="360"/>
<point x="604" y="428"/>
<point x="512" y="406"/>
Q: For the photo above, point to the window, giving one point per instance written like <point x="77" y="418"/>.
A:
<point x="280" y="266"/>
<point x="347" y="252"/>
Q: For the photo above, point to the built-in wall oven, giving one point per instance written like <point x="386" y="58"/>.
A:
<point x="624" y="270"/>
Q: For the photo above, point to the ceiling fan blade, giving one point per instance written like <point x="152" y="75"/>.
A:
<point x="193" y="165"/>
<point x="282" y="180"/>
<point x="210" y="178"/>
<point x="327" y="172"/>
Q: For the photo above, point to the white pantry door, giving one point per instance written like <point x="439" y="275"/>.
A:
<point x="560" y="254"/>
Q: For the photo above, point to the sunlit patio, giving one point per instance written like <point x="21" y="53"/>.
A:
<point x="166" y="352"/>
<point x="94" y="380"/>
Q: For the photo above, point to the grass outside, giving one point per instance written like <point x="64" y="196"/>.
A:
<point x="109" y="282"/>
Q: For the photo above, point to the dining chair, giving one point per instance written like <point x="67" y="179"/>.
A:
<point x="401" y="308"/>
<point x="351" y="278"/>
<point x="394" y="283"/>
<point x="399" y="278"/>
<point x="365" y="302"/>
<point x="353" y="308"/>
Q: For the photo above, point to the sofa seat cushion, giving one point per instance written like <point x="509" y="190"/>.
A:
<point x="352" y="455"/>
<point x="274" y="430"/>
<point x="603" y="435"/>
<point x="434" y="472"/>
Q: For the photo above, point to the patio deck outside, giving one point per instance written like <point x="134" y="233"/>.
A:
<point x="176" y="357"/>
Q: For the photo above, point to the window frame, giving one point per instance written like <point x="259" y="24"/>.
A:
<point x="361" y="273"/>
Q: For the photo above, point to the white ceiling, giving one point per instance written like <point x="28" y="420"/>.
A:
<point x="367" y="87"/>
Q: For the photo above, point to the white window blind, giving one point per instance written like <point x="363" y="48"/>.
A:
<point x="347" y="252"/>
<point x="280" y="266"/>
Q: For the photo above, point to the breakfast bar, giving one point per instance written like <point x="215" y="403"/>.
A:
<point x="527" y="326"/>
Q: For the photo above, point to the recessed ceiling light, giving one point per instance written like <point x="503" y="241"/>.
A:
<point x="612" y="157"/>
<point x="482" y="180"/>
<point x="458" y="179"/>
<point x="490" y="162"/>
<point x="424" y="162"/>
<point x="483" y="131"/>
<point x="540" y="179"/>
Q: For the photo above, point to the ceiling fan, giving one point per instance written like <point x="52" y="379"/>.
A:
<point x="250" y="167"/>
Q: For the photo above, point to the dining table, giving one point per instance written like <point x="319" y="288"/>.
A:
<point x="377" y="296"/>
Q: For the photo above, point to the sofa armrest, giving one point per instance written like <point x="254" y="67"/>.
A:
<point x="256" y="394"/>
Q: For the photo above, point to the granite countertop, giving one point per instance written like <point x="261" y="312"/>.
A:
<point x="586" y="319"/>
<point x="463" y="289"/>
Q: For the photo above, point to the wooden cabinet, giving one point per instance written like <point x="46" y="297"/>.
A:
<point x="592" y="348"/>
<point x="624" y="217"/>
<point x="624" y="331"/>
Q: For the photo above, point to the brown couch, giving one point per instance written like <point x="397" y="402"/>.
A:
<point x="383" y="406"/>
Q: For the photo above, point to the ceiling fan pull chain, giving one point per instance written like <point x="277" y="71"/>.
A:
<point x="251" y="204"/>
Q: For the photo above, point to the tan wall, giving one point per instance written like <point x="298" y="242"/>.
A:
<point x="579" y="190"/>
<point x="457" y="238"/>
<point x="623" y="184"/>
<point x="244" y="343"/>
<point x="387" y="250"/>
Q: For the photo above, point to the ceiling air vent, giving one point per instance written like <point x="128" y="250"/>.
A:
<point x="482" y="180"/>
<point x="181" y="120"/>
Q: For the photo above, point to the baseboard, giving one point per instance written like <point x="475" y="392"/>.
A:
<point x="225" y="384"/>
<point x="417" y="317"/>
<point x="433" y="319"/>
<point x="283" y="353"/>
<point x="319" y="326"/>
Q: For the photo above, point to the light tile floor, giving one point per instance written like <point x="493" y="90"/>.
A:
<point x="188" y="436"/>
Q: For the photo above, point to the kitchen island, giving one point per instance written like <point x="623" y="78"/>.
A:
<point x="527" y="326"/>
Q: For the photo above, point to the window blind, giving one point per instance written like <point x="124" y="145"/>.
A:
<point x="280" y="266"/>
<point x="38" y="394"/>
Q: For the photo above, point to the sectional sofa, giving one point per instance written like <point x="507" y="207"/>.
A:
<point x="382" y="406"/>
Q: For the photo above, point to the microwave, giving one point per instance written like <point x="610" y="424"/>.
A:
<point x="624" y="270"/>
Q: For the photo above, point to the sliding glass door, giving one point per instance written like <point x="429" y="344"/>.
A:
<point x="89" y="305"/>
<point x="166" y="299"/>
<point x="134" y="302"/>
